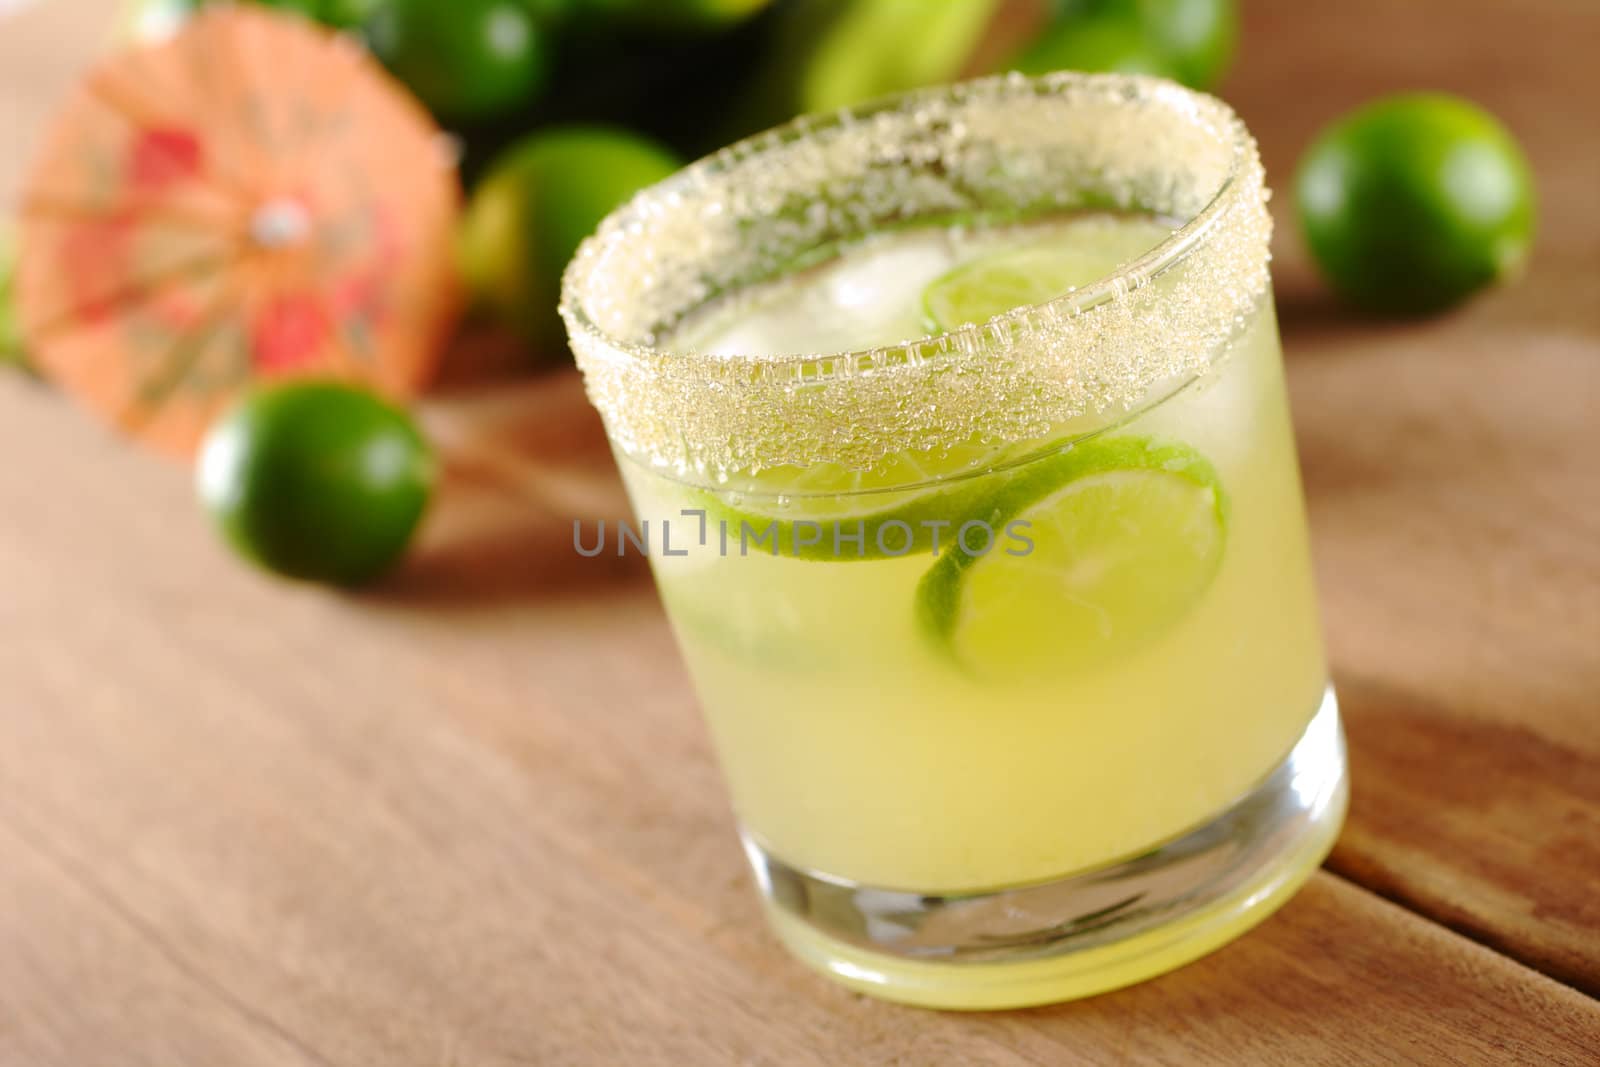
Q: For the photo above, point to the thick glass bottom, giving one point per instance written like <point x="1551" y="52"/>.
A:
<point x="1084" y="934"/>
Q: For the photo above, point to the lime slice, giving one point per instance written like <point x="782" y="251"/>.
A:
<point x="1126" y="535"/>
<point x="993" y="285"/>
<point x="1080" y="251"/>
<point x="831" y="514"/>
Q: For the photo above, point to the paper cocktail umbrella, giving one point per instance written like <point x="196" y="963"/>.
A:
<point x="253" y="198"/>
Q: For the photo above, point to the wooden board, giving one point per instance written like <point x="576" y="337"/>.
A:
<point x="1454" y="496"/>
<point x="470" y="818"/>
<point x="423" y="828"/>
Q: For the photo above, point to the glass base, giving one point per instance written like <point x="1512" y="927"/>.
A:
<point x="1088" y="933"/>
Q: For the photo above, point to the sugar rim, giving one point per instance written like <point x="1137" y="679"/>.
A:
<point x="1238" y="199"/>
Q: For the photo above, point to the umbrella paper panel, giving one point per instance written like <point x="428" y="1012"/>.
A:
<point x="252" y="198"/>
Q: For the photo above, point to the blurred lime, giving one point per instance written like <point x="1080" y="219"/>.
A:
<point x="669" y="14"/>
<point x="872" y="48"/>
<point x="1413" y="202"/>
<point x="1096" y="44"/>
<point x="347" y="13"/>
<point x="825" y="54"/>
<point x="540" y="199"/>
<point x="1197" y="37"/>
<point x="316" y="480"/>
<point x="466" y="59"/>
<point x="1190" y="41"/>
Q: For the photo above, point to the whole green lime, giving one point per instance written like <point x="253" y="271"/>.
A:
<point x="316" y="480"/>
<point x="1412" y="203"/>
<point x="537" y="203"/>
<point x="467" y="59"/>
<point x="1095" y="44"/>
<point x="1190" y="41"/>
<point x="1196" y="37"/>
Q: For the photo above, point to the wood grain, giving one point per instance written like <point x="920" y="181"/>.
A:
<point x="409" y="834"/>
<point x="1454" y="497"/>
<point x="417" y="827"/>
<point x="470" y="817"/>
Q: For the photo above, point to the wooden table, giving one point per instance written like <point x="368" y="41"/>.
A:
<point x="470" y="818"/>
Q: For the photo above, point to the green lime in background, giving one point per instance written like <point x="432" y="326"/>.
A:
<point x="1196" y="37"/>
<point x="1118" y="45"/>
<point x="316" y="480"/>
<point x="1413" y="202"/>
<point x="346" y="13"/>
<point x="537" y="203"/>
<point x="826" y="54"/>
<point x="1191" y="41"/>
<point x="466" y="59"/>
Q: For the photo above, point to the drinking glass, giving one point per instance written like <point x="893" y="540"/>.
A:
<point x="1005" y="633"/>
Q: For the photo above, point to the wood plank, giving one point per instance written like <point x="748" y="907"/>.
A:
<point x="490" y="831"/>
<point x="77" y="971"/>
<point x="1454" y="500"/>
<point x="1455" y="540"/>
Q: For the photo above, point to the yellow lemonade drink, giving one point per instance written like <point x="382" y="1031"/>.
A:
<point x="1010" y="655"/>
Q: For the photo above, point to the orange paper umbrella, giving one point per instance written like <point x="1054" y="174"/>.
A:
<point x="252" y="198"/>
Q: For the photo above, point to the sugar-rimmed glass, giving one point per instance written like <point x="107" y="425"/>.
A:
<point x="963" y="782"/>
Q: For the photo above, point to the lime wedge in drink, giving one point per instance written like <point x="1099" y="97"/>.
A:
<point x="1125" y="533"/>
<point x="1088" y="250"/>
<point x="828" y="513"/>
